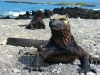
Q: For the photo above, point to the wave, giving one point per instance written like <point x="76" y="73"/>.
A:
<point x="12" y="14"/>
<point x="16" y="13"/>
<point x="96" y="9"/>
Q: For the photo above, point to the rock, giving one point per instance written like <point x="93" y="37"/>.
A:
<point x="47" y="14"/>
<point x="33" y="13"/>
<point x="3" y="42"/>
<point x="17" y="61"/>
<point x="15" y="70"/>
<point x="6" y="17"/>
<point x="91" y="73"/>
<point x="78" y="12"/>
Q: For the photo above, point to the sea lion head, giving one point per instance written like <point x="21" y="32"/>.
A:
<point x="58" y="22"/>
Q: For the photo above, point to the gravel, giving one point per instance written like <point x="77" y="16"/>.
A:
<point x="85" y="31"/>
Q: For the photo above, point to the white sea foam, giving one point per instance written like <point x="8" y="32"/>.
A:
<point x="15" y="14"/>
<point x="11" y="13"/>
<point x="96" y="9"/>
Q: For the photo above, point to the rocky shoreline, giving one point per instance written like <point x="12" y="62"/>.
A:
<point x="78" y="12"/>
<point x="85" y="31"/>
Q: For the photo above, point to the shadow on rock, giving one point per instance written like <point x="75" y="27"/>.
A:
<point x="29" y="59"/>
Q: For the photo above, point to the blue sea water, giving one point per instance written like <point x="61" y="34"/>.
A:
<point x="14" y="9"/>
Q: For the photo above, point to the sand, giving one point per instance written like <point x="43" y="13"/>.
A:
<point x="85" y="31"/>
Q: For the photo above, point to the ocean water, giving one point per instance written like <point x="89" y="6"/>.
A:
<point x="14" y="9"/>
<point x="57" y="1"/>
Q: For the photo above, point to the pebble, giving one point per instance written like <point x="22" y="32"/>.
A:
<point x="91" y="73"/>
<point x="86" y="35"/>
<point x="15" y="71"/>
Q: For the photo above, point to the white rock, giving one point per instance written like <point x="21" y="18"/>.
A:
<point x="78" y="18"/>
<point x="9" y="56"/>
<point x="91" y="73"/>
<point x="15" y="71"/>
<point x="3" y="42"/>
<point x="60" y="64"/>
<point x="97" y="56"/>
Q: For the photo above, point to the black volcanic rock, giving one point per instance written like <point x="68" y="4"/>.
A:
<point x="72" y="13"/>
<point x="24" y="16"/>
<point x="47" y="13"/>
<point x="7" y="17"/>
<point x="78" y="12"/>
<point x="33" y="13"/>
